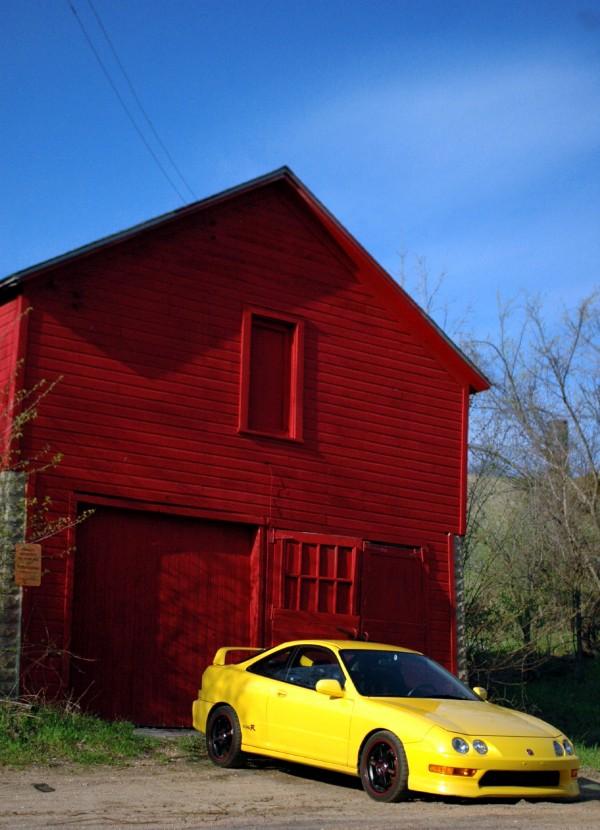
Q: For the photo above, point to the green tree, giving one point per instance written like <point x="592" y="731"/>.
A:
<point x="539" y="431"/>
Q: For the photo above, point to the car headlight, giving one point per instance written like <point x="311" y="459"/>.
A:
<point x="558" y="748"/>
<point x="460" y="745"/>
<point x="480" y="747"/>
<point x="568" y="746"/>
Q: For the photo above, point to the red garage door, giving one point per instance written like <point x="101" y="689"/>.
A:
<point x="154" y="597"/>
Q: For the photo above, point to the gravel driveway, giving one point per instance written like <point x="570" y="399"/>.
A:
<point x="179" y="794"/>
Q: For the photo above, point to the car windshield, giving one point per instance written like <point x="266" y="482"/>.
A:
<point x="378" y="673"/>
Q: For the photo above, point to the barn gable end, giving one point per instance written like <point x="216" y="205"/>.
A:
<point x="264" y="425"/>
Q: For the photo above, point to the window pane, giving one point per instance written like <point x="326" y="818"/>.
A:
<point x="344" y="563"/>
<point x="292" y="557"/>
<point x="343" y="598"/>
<point x="274" y="665"/>
<point x="326" y="596"/>
<point x="309" y="559"/>
<point x="311" y="664"/>
<point x="290" y="599"/>
<point x="327" y="560"/>
<point x="308" y="595"/>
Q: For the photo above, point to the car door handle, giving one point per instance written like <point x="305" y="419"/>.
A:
<point x="281" y="694"/>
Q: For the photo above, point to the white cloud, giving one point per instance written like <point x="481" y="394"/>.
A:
<point x="487" y="127"/>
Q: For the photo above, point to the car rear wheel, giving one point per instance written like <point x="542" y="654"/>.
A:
<point x="383" y="767"/>
<point x="224" y="737"/>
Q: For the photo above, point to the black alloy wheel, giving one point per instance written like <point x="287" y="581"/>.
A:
<point x="383" y="767"/>
<point x="224" y="737"/>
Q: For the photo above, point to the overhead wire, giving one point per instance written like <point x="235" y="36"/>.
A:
<point x="138" y="101"/>
<point x="123" y="103"/>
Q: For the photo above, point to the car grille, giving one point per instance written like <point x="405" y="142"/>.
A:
<point x="508" y="778"/>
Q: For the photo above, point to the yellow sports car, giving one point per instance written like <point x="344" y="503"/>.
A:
<point x="392" y="716"/>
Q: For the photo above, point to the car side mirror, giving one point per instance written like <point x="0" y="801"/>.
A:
<point x="330" y="687"/>
<point x="480" y="692"/>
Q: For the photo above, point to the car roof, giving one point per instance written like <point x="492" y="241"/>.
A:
<point x="360" y="645"/>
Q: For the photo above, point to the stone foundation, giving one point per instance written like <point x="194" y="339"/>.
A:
<point x="12" y="529"/>
<point x="459" y="587"/>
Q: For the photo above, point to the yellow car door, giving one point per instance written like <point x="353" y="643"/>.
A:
<point x="304" y="723"/>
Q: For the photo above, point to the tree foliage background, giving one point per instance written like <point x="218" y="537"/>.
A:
<point x="531" y="557"/>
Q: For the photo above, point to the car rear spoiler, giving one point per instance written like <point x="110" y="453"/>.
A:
<point x="220" y="658"/>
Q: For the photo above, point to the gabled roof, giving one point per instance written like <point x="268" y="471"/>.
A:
<point x="393" y="295"/>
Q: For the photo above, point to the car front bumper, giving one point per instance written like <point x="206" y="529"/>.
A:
<point x="513" y="768"/>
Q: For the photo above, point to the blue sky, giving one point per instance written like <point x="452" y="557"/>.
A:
<point x="467" y="133"/>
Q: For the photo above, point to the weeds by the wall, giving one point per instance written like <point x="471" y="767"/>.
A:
<point x="32" y="732"/>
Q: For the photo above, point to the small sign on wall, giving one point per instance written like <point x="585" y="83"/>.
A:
<point x="28" y="565"/>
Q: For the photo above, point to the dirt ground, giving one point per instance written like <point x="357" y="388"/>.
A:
<point x="182" y="794"/>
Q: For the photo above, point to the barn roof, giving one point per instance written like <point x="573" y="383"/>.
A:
<point x="383" y="283"/>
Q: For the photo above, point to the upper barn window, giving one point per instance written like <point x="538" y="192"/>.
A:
<point x="271" y="378"/>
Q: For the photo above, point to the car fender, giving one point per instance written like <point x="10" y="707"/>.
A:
<point x="372" y="717"/>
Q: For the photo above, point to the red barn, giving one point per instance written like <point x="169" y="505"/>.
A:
<point x="271" y="433"/>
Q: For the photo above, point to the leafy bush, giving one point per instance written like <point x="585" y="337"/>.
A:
<point x="557" y="696"/>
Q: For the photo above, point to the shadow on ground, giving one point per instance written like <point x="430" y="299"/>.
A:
<point x="590" y="788"/>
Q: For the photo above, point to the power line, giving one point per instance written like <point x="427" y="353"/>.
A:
<point x="123" y="103"/>
<point x="137" y="100"/>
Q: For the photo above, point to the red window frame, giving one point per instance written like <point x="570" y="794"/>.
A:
<point x="294" y="432"/>
<point x="316" y="573"/>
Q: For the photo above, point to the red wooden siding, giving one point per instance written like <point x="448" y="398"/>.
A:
<point x="148" y="336"/>
<point x="10" y="319"/>
<point x="393" y="595"/>
<point x="145" y="596"/>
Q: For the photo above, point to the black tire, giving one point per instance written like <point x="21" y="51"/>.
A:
<point x="383" y="767"/>
<point x="224" y="738"/>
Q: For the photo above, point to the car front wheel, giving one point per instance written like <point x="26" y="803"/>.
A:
<point x="224" y="737"/>
<point x="383" y="767"/>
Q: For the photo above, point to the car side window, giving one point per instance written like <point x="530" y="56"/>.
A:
<point x="311" y="664"/>
<point x="274" y="665"/>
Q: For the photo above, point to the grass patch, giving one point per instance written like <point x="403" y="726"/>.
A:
<point x="590" y="755"/>
<point x="193" y="747"/>
<point x="38" y="733"/>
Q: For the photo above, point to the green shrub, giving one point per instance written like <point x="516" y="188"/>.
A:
<point x="574" y="707"/>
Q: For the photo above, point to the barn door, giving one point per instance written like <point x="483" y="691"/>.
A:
<point x="393" y="608"/>
<point x="154" y="596"/>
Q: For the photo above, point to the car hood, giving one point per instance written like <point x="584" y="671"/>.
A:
<point x="471" y="717"/>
